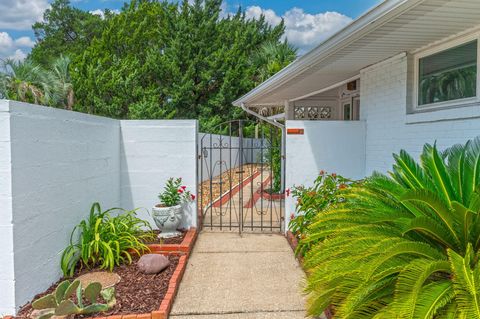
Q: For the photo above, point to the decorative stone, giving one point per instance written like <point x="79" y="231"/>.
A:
<point x="152" y="263"/>
<point x="106" y="279"/>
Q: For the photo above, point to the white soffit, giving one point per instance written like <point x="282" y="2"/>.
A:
<point x="393" y="27"/>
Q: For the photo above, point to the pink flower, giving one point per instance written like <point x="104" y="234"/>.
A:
<point x="292" y="216"/>
<point x="184" y="187"/>
<point x="322" y="172"/>
<point x="287" y="192"/>
<point x="192" y="196"/>
<point x="180" y="190"/>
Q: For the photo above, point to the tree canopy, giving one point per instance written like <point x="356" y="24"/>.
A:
<point x="162" y="59"/>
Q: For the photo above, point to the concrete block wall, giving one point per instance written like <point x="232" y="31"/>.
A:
<point x="7" y="274"/>
<point x="151" y="153"/>
<point x="62" y="162"/>
<point x="390" y="127"/>
<point x="54" y="164"/>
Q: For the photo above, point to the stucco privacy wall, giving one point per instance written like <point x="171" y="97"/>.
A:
<point x="333" y="146"/>
<point x="152" y="152"/>
<point x="60" y="163"/>
<point x="7" y="291"/>
<point x="390" y="128"/>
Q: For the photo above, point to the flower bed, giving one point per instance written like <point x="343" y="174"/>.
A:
<point x="138" y="295"/>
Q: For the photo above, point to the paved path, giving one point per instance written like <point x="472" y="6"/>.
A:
<point x="251" y="277"/>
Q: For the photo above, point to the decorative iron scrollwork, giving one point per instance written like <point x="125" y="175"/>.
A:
<point x="312" y="112"/>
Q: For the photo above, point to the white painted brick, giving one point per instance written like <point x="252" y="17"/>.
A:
<point x="383" y="93"/>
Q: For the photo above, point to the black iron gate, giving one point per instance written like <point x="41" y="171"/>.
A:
<point x="241" y="174"/>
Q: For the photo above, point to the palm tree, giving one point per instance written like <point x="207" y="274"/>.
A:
<point x="273" y="56"/>
<point x="60" y="74"/>
<point x="28" y="82"/>
<point x="404" y="246"/>
<point x="24" y="81"/>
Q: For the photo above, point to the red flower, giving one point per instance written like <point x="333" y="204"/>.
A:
<point x="287" y="192"/>
<point x="193" y="197"/>
<point x="180" y="190"/>
<point x="292" y="216"/>
<point x="184" y="187"/>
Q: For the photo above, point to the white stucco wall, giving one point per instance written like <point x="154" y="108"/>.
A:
<point x="7" y="277"/>
<point x="54" y="164"/>
<point x="62" y="162"/>
<point x="151" y="153"/>
<point x="390" y="128"/>
<point x="333" y="146"/>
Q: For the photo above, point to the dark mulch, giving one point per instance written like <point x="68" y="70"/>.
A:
<point x="174" y="240"/>
<point x="136" y="292"/>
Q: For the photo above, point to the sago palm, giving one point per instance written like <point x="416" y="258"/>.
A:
<point x="404" y="246"/>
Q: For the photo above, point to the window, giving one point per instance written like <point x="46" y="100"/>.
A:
<point x="447" y="76"/>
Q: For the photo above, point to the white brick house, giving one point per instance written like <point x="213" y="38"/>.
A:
<point x="402" y="75"/>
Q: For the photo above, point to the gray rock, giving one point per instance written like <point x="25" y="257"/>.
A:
<point x="152" y="263"/>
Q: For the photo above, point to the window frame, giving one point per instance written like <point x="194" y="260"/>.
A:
<point x="437" y="49"/>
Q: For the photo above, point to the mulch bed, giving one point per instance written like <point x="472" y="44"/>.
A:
<point x="135" y="293"/>
<point x="168" y="241"/>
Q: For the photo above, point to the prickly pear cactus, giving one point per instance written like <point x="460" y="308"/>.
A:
<point x="59" y="303"/>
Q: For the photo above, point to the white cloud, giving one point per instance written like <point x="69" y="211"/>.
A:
<point x="24" y="42"/>
<point x="14" y="49"/>
<point x="21" y="14"/>
<point x="101" y="13"/>
<point x="303" y="30"/>
<point x="254" y="12"/>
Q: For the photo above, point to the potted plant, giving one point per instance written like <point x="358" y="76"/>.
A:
<point x="169" y="213"/>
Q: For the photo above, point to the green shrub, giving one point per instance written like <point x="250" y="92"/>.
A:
<point x="105" y="240"/>
<point x="325" y="192"/>
<point x="404" y="246"/>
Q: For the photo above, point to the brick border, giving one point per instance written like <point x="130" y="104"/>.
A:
<point x="185" y="246"/>
<point x="167" y="302"/>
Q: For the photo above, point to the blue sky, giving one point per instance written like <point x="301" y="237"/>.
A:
<point x="308" y="22"/>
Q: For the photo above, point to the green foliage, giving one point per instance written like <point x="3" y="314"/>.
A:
<point x="162" y="59"/>
<point x="325" y="192"/>
<point x="105" y="240"/>
<point x="404" y="246"/>
<point x="65" y="30"/>
<point x="174" y="193"/>
<point x="29" y="82"/>
<point x="59" y="303"/>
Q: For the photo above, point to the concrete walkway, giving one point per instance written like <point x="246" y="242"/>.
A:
<point x="251" y="277"/>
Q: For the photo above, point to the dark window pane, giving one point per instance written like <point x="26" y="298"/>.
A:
<point x="448" y="75"/>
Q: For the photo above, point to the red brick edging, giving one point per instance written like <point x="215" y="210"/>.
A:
<point x="184" y="247"/>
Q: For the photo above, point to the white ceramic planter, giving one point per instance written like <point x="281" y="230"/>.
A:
<point x="168" y="220"/>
